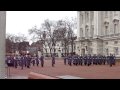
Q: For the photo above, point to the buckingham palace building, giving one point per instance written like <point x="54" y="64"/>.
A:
<point x="98" y="32"/>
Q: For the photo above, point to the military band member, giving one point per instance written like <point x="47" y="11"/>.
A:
<point x="85" y="60"/>
<point x="37" y="61"/>
<point x="22" y="61"/>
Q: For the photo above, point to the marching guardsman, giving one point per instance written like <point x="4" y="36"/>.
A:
<point x="85" y="60"/>
<point x="22" y="61"/>
<point x="15" y="62"/>
<point x="98" y="59"/>
<point x="12" y="61"/>
<point x="101" y="59"/>
<point x="104" y="59"/>
<point x="37" y="60"/>
<point x="77" y="59"/>
<point x="80" y="60"/>
<point x="111" y="60"/>
<point x="42" y="60"/>
<point x="114" y="59"/>
<point x="88" y="60"/>
<point x="28" y="61"/>
<point x="94" y="57"/>
<point x="25" y="60"/>
<point x="33" y="61"/>
<point x="74" y="59"/>
<point x="53" y="60"/>
<point x="9" y="61"/>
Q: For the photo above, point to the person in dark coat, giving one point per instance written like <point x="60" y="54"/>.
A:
<point x="114" y="59"/>
<point x="53" y="60"/>
<point x="37" y="61"/>
<point x="85" y="59"/>
<point x="27" y="61"/>
<point x="80" y="60"/>
<point x="104" y="59"/>
<point x="33" y="61"/>
<point x="8" y="61"/>
<point x="93" y="57"/>
<point x="42" y="60"/>
<point x="74" y="59"/>
<point x="108" y="59"/>
<point x="15" y="62"/>
<point x="111" y="60"/>
<point x="22" y="61"/>
<point x="89" y="60"/>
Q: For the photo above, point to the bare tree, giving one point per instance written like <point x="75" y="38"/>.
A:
<point x="65" y="29"/>
<point x="15" y="41"/>
<point x="53" y="31"/>
<point x="39" y="35"/>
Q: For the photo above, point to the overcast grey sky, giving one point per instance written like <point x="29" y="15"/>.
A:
<point x="21" y="21"/>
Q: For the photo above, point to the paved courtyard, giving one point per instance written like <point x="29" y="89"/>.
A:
<point x="61" y="70"/>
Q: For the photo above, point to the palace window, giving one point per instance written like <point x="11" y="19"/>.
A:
<point x="92" y="16"/>
<point x="86" y="31"/>
<point x="106" y="43"/>
<point x="107" y="51"/>
<point x="106" y="14"/>
<point x="81" y="16"/>
<point x="115" y="28"/>
<point x="87" y="16"/>
<point x="115" y="42"/>
<point x="91" y="51"/>
<point x="92" y="30"/>
<point x="115" y="13"/>
<point x="81" y="32"/>
<point x="106" y="30"/>
<point x="116" y="50"/>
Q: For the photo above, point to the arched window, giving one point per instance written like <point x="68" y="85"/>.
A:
<point x="92" y="16"/>
<point x="106" y="30"/>
<point x="115" y="28"/>
<point x="81" y="16"/>
<point x="81" y="32"/>
<point x="116" y="51"/>
<point x="86" y="32"/>
<point x="116" y="25"/>
<point x="115" y="13"/>
<point x="92" y="30"/>
<point x="87" y="16"/>
<point x="107" y="51"/>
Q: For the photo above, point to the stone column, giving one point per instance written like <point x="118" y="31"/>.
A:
<point x="2" y="43"/>
<point x="78" y="24"/>
<point x="96" y="23"/>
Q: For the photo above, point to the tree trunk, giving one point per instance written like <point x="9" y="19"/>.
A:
<point x="50" y="52"/>
<point x="72" y="47"/>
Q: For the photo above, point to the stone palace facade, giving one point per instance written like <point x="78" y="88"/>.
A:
<point x="98" y="32"/>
